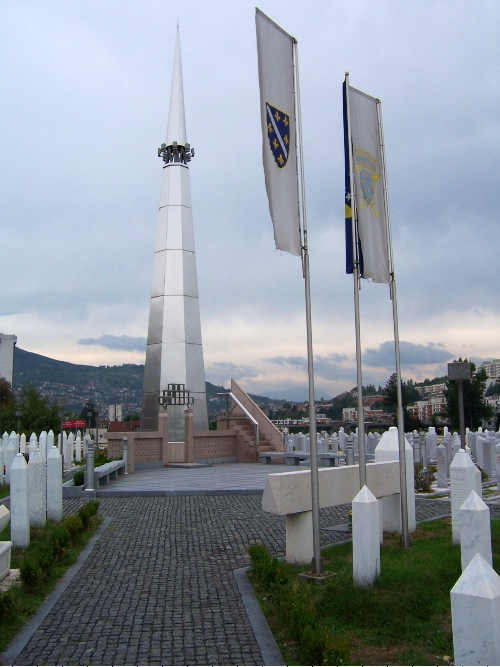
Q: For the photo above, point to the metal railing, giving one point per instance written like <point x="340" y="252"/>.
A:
<point x="228" y="394"/>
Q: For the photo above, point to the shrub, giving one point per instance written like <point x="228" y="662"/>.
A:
<point x="31" y="574"/>
<point x="484" y="476"/>
<point x="78" y="478"/>
<point x="7" y="606"/>
<point x="44" y="555"/>
<point x="264" y="566"/>
<point x="74" y="526"/>
<point x="93" y="506"/>
<point x="85" y="514"/>
<point x="423" y="478"/>
<point x="60" y="539"/>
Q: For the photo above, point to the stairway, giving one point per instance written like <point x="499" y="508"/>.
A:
<point x="247" y="452"/>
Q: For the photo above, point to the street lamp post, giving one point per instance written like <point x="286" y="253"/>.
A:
<point x="62" y="402"/>
<point x="18" y="414"/>
<point x="97" y="410"/>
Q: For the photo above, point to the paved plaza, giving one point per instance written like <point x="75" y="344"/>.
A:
<point x="158" y="587"/>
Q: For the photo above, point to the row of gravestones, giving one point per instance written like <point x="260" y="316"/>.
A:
<point x="476" y="594"/>
<point x="35" y="496"/>
<point x="300" y="443"/>
<point x="73" y="449"/>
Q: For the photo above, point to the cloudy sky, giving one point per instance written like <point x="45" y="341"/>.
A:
<point x="85" y="94"/>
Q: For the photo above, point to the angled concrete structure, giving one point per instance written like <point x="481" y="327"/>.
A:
<point x="174" y="353"/>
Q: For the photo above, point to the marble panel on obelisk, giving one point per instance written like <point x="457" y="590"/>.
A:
<point x="174" y="353"/>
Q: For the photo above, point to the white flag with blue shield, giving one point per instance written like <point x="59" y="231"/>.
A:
<point x="279" y="150"/>
<point x="366" y="155"/>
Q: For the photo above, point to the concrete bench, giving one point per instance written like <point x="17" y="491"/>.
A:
<point x="289" y="494"/>
<point x="291" y="458"/>
<point x="109" y="471"/>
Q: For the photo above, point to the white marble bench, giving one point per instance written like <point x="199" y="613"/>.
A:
<point x="289" y="494"/>
<point x="109" y="471"/>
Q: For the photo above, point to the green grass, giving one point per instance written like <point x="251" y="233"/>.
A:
<point x="404" y="619"/>
<point x="4" y="490"/>
<point x="19" y="604"/>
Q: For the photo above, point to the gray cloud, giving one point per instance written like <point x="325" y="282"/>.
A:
<point x="127" y="343"/>
<point x="221" y="372"/>
<point x="411" y="354"/>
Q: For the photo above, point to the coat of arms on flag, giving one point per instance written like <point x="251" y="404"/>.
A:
<point x="278" y="133"/>
<point x="366" y="166"/>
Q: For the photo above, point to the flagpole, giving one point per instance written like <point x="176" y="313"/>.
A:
<point x="317" y="563"/>
<point x="357" y="288"/>
<point x="405" y="537"/>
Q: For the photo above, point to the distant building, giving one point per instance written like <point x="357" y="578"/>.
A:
<point x="115" y="412"/>
<point x="7" y="345"/>
<point x="123" y="427"/>
<point x="492" y="368"/>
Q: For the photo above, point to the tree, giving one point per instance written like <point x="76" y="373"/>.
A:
<point x="37" y="415"/>
<point x="475" y="407"/>
<point x="7" y="397"/>
<point x="391" y="402"/>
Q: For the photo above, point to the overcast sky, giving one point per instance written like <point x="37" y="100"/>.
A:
<point x="85" y="95"/>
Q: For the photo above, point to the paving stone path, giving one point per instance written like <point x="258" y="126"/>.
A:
<point x="158" y="587"/>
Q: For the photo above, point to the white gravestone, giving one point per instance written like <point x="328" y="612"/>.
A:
<point x="1" y="464"/>
<point x="8" y="458"/>
<point x="390" y="508"/>
<point x="335" y="443"/>
<point x="42" y="443"/>
<point x="456" y="444"/>
<point x="475" y="529"/>
<point x="497" y="464"/>
<point x="5" y="550"/>
<point x="431" y="443"/>
<point x="22" y="444"/>
<point x="365" y="538"/>
<point x="68" y="447"/>
<point x="307" y="444"/>
<point x="37" y="489"/>
<point x="54" y="485"/>
<point x="289" y="445"/>
<point x="301" y="442"/>
<point x="479" y="450"/>
<point x="78" y="448"/>
<point x="19" y="507"/>
<point x="4" y="517"/>
<point x="33" y="444"/>
<point x="447" y="443"/>
<point x="462" y="482"/>
<point x="442" y="467"/>
<point x="487" y="458"/>
<point x="475" y="613"/>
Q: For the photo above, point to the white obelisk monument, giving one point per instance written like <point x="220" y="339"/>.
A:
<point x="174" y="353"/>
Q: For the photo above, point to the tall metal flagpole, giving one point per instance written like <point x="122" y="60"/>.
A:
<point x="357" y="286"/>
<point x="405" y="536"/>
<point x="317" y="563"/>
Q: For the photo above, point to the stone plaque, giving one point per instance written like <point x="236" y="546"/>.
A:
<point x="460" y="370"/>
<point x="176" y="423"/>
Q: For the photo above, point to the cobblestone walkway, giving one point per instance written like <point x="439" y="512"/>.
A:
<point x="158" y="587"/>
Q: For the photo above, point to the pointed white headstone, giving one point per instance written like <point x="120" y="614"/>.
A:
<point x="390" y="507"/>
<point x="475" y="529"/>
<point x="78" y="448"/>
<point x="462" y="482"/>
<point x="365" y="538"/>
<point x="475" y="612"/>
<point x="54" y="485"/>
<point x="19" y="506"/>
<point x="22" y="444"/>
<point x="8" y="458"/>
<point x="37" y="489"/>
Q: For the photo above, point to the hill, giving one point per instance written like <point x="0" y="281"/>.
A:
<point x="107" y="384"/>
